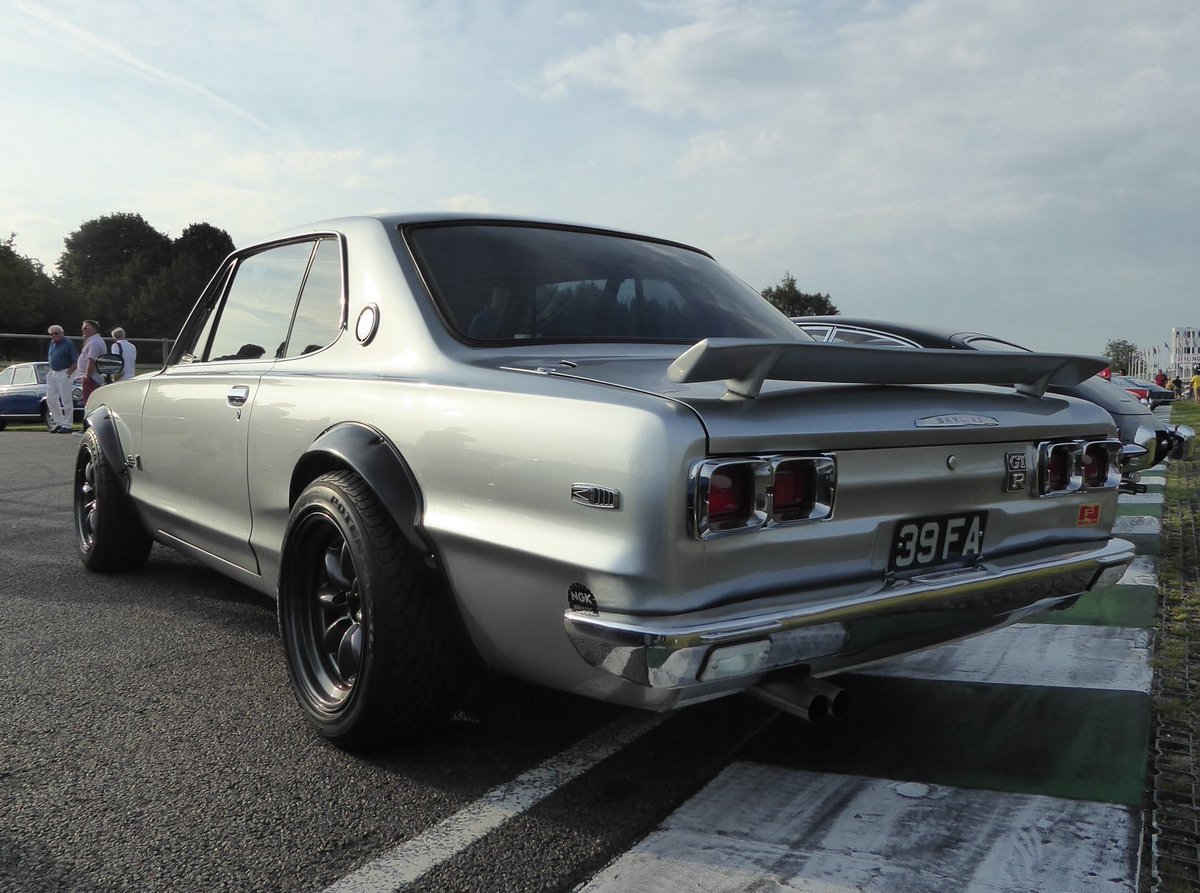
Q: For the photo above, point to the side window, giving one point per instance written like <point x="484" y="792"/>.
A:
<point x="253" y="321"/>
<point x="994" y="344"/>
<point x="857" y="336"/>
<point x="6" y="376"/>
<point x="319" y="313"/>
<point x="23" y="375"/>
<point x="818" y="333"/>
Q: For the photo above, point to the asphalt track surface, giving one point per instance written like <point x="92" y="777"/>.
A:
<point x="149" y="742"/>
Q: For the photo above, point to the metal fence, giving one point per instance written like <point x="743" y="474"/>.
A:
<point x="15" y="346"/>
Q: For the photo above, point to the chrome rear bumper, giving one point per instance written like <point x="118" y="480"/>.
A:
<point x="846" y="629"/>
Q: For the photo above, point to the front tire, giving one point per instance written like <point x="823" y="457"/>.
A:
<point x="110" y="534"/>
<point x="369" y="634"/>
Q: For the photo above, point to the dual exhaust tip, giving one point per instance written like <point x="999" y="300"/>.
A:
<point x="804" y="696"/>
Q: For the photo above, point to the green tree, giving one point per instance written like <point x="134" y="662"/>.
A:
<point x="1120" y="354"/>
<point x="793" y="302"/>
<point x="108" y="260"/>
<point x="29" y="299"/>
<point x="162" y="302"/>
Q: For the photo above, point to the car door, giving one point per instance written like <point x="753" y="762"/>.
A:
<point x="196" y="413"/>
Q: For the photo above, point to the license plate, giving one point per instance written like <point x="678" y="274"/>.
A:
<point x="944" y="539"/>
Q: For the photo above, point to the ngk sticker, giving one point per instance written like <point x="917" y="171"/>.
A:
<point x="1089" y="515"/>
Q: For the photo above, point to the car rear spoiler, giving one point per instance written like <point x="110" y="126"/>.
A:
<point x="744" y="364"/>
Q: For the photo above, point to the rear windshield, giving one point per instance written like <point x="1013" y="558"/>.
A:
<point x="502" y="283"/>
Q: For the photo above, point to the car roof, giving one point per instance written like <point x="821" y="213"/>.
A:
<point x="396" y="220"/>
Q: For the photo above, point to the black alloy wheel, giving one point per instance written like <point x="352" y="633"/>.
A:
<point x="374" y="650"/>
<point x="109" y="532"/>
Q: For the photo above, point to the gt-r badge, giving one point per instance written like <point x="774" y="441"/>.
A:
<point x="1089" y="515"/>
<point x="1018" y="472"/>
<point x="956" y="420"/>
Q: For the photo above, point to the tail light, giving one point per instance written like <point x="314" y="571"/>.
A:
<point x="1059" y="461"/>
<point x="802" y="489"/>
<point x="730" y="495"/>
<point x="1101" y="464"/>
<point x="1072" y="466"/>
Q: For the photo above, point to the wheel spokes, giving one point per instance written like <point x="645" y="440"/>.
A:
<point x="338" y="617"/>
<point x="349" y="656"/>
<point x="339" y="565"/>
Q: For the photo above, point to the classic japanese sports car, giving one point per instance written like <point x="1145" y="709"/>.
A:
<point x="1136" y="425"/>
<point x="592" y="460"/>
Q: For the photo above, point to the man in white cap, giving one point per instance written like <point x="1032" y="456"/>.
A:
<point x="63" y="356"/>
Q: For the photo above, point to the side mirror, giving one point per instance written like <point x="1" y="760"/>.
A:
<point x="109" y="364"/>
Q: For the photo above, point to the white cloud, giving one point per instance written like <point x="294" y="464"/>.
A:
<point x="934" y="159"/>
<point x="467" y="204"/>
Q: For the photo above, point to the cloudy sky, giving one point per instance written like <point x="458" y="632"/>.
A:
<point x="1029" y="168"/>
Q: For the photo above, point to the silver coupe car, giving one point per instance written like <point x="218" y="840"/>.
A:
<point x="589" y="459"/>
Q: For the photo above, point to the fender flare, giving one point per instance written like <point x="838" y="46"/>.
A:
<point x="375" y="459"/>
<point x="100" y="420"/>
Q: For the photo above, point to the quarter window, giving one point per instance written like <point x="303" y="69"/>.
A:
<point x="253" y="321"/>
<point x="23" y="375"/>
<point x="319" y="313"/>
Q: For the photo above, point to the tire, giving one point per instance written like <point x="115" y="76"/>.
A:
<point x="110" y="534"/>
<point x="374" y="648"/>
<point x="3" y="424"/>
<point x="44" y="414"/>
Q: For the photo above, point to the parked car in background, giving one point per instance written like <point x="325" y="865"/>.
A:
<point x="1138" y="426"/>
<point x="1147" y="392"/>
<point x="588" y="459"/>
<point x="23" y="394"/>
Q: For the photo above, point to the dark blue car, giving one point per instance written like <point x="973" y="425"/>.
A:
<point x="23" y="394"/>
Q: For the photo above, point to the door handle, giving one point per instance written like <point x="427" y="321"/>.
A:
<point x="238" y="395"/>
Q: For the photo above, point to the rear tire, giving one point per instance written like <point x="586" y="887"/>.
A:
<point x="371" y="640"/>
<point x="110" y="534"/>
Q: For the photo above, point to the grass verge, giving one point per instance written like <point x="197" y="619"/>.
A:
<point x="1175" y="795"/>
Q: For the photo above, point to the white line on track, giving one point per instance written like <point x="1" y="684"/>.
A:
<point x="1086" y="657"/>
<point x="410" y="860"/>
<point x="765" y="828"/>
<point x="1143" y="572"/>
<point x="1133" y="525"/>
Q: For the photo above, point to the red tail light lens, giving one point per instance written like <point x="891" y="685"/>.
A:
<point x="733" y="495"/>
<point x="730" y="495"/>
<point x="1075" y="465"/>
<point x="1058" y="469"/>
<point x="794" y="491"/>
<point x="1095" y="465"/>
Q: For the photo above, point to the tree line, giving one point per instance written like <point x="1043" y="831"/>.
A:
<point x="121" y="271"/>
<point x="117" y="269"/>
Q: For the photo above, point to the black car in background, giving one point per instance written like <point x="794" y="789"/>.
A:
<point x="1137" y="424"/>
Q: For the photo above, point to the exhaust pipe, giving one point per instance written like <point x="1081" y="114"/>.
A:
<point x="804" y="696"/>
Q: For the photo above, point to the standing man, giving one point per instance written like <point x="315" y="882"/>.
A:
<point x="93" y="349"/>
<point x="126" y="351"/>
<point x="63" y="357"/>
<point x="1196" y="384"/>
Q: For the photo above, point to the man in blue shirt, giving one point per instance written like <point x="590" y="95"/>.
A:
<point x="63" y="356"/>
